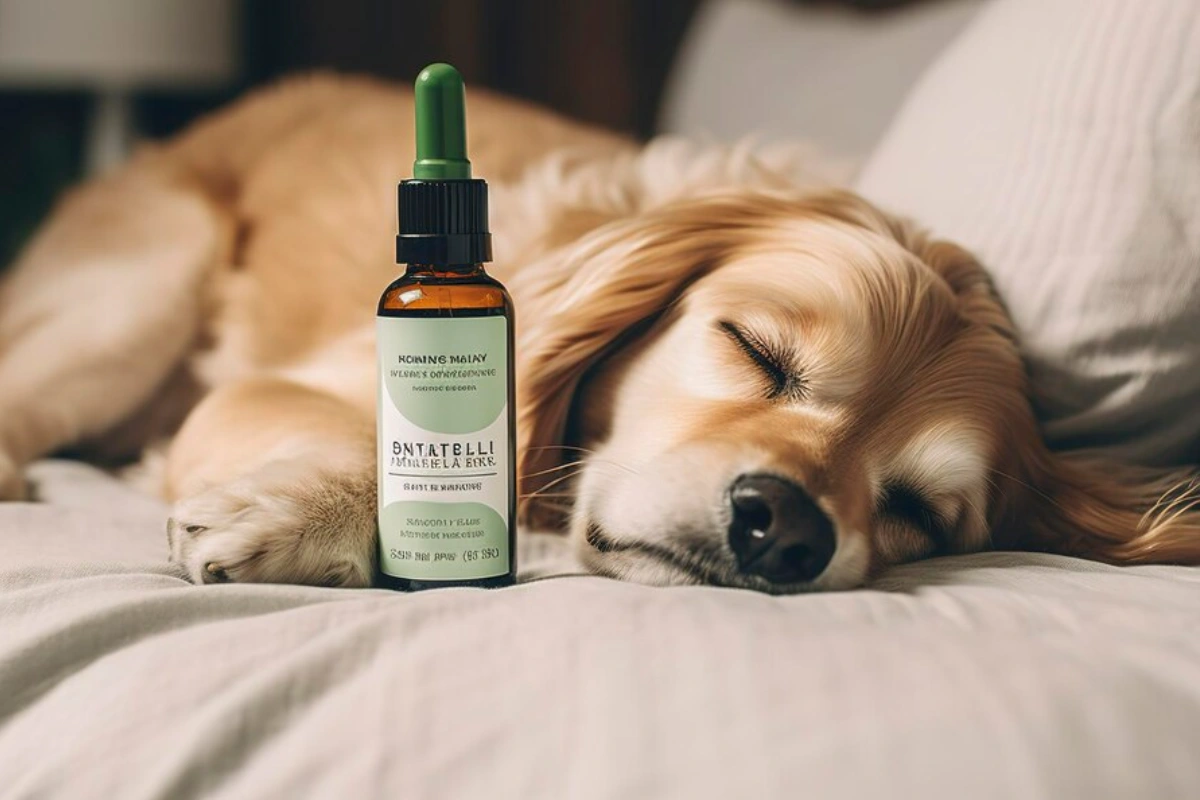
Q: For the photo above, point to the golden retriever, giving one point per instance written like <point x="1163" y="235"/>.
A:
<point x="726" y="375"/>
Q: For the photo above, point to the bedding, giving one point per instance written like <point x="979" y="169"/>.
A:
<point x="827" y="75"/>
<point x="994" y="675"/>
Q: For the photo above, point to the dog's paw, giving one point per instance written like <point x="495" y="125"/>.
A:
<point x="290" y="522"/>
<point x="12" y="481"/>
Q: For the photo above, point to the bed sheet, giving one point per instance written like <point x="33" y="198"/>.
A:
<point x="993" y="675"/>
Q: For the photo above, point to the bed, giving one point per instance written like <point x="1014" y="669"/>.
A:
<point x="997" y="675"/>
<point x="994" y="675"/>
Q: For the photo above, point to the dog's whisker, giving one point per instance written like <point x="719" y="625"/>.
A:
<point x="559" y="508"/>
<point x="1173" y="503"/>
<point x="554" y="469"/>
<point x="585" y="450"/>
<point x="552" y="484"/>
<point x="980" y="514"/>
<point x="1026" y="484"/>
<point x="1176" y="508"/>
<point x="1045" y="496"/>
<point x="610" y="463"/>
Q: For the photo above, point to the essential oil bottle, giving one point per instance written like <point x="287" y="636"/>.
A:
<point x="447" y="431"/>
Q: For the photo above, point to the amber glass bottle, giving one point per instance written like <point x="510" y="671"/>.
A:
<point x="447" y="431"/>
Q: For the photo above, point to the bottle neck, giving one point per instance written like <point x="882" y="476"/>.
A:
<point x="444" y="271"/>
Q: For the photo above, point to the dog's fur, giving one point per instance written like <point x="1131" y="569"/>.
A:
<point x="210" y="306"/>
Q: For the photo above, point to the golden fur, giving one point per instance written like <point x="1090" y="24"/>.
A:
<point x="210" y="306"/>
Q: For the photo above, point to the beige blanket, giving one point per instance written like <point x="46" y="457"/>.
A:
<point x="974" y="677"/>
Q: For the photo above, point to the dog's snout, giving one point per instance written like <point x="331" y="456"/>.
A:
<point x="777" y="531"/>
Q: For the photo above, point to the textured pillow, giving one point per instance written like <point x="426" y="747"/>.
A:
<point x="1060" y="140"/>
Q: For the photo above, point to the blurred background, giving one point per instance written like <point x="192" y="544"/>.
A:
<point x="82" y="81"/>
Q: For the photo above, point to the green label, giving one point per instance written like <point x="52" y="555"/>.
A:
<point x="444" y="471"/>
<point x="446" y="375"/>
<point x="443" y="541"/>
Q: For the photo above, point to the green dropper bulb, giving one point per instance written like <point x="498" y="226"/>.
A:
<point x="441" y="125"/>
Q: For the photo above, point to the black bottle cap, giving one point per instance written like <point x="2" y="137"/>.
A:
<point x="443" y="222"/>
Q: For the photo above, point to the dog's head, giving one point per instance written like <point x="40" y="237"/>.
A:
<point x="781" y="393"/>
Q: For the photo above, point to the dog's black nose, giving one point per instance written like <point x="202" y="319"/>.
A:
<point x="776" y="530"/>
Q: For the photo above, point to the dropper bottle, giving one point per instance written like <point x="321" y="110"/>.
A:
<point x="446" y="421"/>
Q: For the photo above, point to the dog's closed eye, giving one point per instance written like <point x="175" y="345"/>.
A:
<point x="785" y="380"/>
<point x="907" y="505"/>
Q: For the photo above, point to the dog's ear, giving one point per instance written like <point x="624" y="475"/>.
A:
<point x="1070" y="503"/>
<point x="1083" y="505"/>
<point x="1076" y="504"/>
<point x="960" y="269"/>
<point x="605" y="288"/>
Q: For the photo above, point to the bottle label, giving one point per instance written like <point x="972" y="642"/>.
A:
<point x="444" y="469"/>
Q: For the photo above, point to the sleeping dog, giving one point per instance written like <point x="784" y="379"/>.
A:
<point x="726" y="374"/>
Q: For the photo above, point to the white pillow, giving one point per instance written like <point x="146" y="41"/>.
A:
<point x="826" y="74"/>
<point x="1060" y="140"/>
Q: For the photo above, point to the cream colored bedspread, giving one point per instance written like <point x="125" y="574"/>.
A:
<point x="973" y="677"/>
